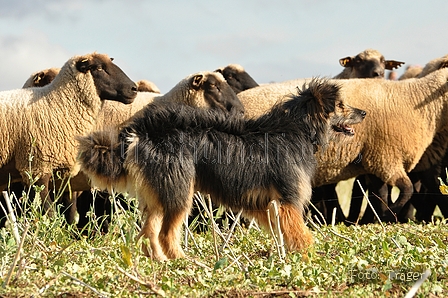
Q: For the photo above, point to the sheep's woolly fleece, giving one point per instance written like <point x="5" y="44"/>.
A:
<point x="38" y="116"/>
<point x="113" y="114"/>
<point x="402" y="119"/>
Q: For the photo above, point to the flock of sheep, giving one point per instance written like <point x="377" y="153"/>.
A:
<point x="402" y="142"/>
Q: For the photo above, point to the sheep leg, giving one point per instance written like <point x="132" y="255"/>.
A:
<point x="406" y="190"/>
<point x="47" y="202"/>
<point x="356" y="199"/>
<point x="68" y="201"/>
<point x="83" y="205"/>
<point x="327" y="200"/>
<point x="378" y="196"/>
<point x="426" y="203"/>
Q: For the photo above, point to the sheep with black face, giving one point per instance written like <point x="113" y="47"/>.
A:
<point x="43" y="121"/>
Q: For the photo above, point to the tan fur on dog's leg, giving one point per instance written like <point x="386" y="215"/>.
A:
<point x="296" y="234"/>
<point x="170" y="234"/>
<point x="153" y="216"/>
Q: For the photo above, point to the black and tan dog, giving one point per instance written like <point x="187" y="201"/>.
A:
<point x="169" y="151"/>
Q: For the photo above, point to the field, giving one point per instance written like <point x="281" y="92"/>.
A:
<point x="43" y="257"/>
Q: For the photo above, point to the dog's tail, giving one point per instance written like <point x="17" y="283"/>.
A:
<point x="101" y="156"/>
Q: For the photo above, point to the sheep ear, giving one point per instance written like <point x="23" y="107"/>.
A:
<point x="219" y="70"/>
<point x="346" y="62"/>
<point x="391" y="64"/>
<point x="38" y="77"/>
<point x="443" y="65"/>
<point x="83" y="65"/>
<point x="197" y="81"/>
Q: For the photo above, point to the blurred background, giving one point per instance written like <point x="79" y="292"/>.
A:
<point x="164" y="41"/>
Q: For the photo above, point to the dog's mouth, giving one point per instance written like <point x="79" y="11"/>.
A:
<point x="344" y="129"/>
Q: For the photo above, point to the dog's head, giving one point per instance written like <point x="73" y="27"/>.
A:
<point x="328" y="117"/>
<point x="343" y="117"/>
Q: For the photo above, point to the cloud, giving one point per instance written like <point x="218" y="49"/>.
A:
<point x="27" y="53"/>
<point x="26" y="8"/>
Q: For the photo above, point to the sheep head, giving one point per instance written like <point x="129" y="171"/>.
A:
<point x="237" y="78"/>
<point x="147" y="86"/>
<point x="216" y="92"/>
<point x="110" y="81"/>
<point x="367" y="64"/>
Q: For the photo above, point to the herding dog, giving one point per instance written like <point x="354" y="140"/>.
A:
<point x="169" y="151"/>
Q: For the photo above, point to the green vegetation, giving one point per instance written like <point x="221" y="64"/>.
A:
<point x="56" y="260"/>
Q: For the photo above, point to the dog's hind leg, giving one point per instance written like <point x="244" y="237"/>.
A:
<point x="296" y="234"/>
<point x="150" y="230"/>
<point x="152" y="211"/>
<point x="170" y="233"/>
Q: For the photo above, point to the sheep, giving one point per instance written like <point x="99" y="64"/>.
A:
<point x="237" y="77"/>
<point x="434" y="65"/>
<point x="203" y="89"/>
<point x="419" y="103"/>
<point x="412" y="71"/>
<point x="424" y="181"/>
<point x="44" y="77"/>
<point x="367" y="64"/>
<point x="39" y="121"/>
<point x="429" y="179"/>
<point x="41" y="78"/>
<point x="147" y="86"/>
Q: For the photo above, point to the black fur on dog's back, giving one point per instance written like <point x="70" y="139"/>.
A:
<point x="219" y="150"/>
<point x="172" y="150"/>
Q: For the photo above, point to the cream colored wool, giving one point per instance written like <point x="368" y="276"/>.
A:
<point x="147" y="86"/>
<point x="113" y="114"/>
<point x="402" y="119"/>
<point x="433" y="65"/>
<point x="412" y="71"/>
<point x="36" y="117"/>
<point x="35" y="80"/>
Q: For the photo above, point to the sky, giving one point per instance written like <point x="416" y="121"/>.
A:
<point x="165" y="41"/>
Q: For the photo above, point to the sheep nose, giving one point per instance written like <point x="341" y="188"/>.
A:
<point x="363" y="113"/>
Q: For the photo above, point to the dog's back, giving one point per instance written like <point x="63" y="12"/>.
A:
<point x="172" y="150"/>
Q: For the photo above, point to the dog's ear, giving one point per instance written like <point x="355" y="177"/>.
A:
<point x="325" y="98"/>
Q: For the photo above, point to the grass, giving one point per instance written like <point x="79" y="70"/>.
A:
<point x="51" y="259"/>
